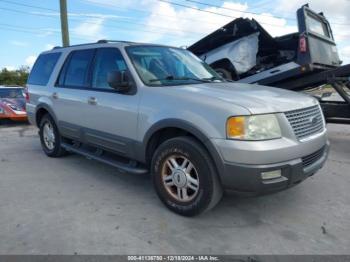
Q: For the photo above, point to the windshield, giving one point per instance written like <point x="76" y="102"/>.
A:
<point x="11" y="93"/>
<point x="159" y="66"/>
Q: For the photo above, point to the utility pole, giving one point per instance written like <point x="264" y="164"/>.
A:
<point x="64" y="23"/>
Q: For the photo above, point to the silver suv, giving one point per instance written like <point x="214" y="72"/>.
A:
<point x="150" y="108"/>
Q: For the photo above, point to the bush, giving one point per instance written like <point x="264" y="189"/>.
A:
<point x="14" y="77"/>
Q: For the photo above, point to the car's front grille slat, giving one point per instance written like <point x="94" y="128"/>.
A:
<point x="309" y="130"/>
<point x="306" y="122"/>
<point x="312" y="158"/>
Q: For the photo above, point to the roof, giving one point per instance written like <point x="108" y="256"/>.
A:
<point x="107" y="42"/>
<point x="101" y="44"/>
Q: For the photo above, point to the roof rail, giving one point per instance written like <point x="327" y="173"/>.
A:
<point x="101" y="41"/>
<point x="94" y="43"/>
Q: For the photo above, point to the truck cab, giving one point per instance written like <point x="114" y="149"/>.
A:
<point x="244" y="51"/>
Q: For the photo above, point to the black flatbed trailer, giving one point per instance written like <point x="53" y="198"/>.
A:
<point x="339" y="79"/>
<point x="299" y="61"/>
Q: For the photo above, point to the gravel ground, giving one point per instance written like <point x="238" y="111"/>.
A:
<point x="74" y="205"/>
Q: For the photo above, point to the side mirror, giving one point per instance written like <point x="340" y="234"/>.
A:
<point x="119" y="80"/>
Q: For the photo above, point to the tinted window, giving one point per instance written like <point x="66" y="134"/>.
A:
<point x="76" y="72"/>
<point x="11" y="93"/>
<point x="43" y="68"/>
<point x="107" y="60"/>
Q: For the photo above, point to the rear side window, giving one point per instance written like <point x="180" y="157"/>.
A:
<point x="75" y="72"/>
<point x="43" y="68"/>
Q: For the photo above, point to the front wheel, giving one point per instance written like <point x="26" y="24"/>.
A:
<point x="224" y="73"/>
<point x="184" y="177"/>
<point x="50" y="138"/>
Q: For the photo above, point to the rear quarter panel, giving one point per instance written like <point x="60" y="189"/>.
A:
<point x="41" y="95"/>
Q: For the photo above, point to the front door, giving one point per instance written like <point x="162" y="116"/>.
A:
<point x="110" y="117"/>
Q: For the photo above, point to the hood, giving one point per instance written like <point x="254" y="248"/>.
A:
<point x="255" y="98"/>
<point x="17" y="104"/>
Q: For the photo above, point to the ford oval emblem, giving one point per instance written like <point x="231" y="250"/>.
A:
<point x="313" y="120"/>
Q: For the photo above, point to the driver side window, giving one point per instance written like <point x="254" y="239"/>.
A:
<point x="106" y="61"/>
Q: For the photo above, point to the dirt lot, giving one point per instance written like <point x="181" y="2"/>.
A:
<point x="74" y="205"/>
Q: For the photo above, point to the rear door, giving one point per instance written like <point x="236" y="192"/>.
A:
<point x="70" y="96"/>
<point x="316" y="45"/>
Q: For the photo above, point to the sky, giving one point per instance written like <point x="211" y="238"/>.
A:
<point x="28" y="27"/>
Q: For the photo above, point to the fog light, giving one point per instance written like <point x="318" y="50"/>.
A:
<point x="271" y="174"/>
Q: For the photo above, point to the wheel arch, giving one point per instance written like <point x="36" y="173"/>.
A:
<point x="41" y="110"/>
<point x="226" y="64"/>
<point x="170" y="128"/>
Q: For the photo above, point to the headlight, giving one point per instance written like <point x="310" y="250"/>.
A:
<point x="2" y="111"/>
<point x="256" y="127"/>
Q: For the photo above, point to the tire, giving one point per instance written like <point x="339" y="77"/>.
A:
<point x="224" y="73"/>
<point x="55" y="150"/>
<point x="197" y="197"/>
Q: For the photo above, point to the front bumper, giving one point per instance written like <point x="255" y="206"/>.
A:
<point x="247" y="177"/>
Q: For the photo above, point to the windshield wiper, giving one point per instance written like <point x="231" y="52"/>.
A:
<point x="213" y="78"/>
<point x="172" y="78"/>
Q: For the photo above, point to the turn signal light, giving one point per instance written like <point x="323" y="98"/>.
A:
<point x="235" y="126"/>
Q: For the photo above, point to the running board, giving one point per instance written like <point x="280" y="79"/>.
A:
<point x="124" y="167"/>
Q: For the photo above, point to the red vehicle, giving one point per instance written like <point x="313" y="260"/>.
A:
<point x="12" y="103"/>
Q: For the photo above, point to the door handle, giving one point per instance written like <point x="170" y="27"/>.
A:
<point x="92" y="101"/>
<point x="55" y="95"/>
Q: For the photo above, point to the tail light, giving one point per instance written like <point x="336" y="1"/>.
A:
<point x="302" y="44"/>
<point x="26" y="94"/>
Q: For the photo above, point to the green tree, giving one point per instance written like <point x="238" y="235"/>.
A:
<point x="14" y="77"/>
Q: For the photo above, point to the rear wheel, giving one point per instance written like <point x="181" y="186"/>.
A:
<point x="184" y="177"/>
<point x="50" y="138"/>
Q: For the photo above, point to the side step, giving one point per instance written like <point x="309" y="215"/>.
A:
<point x="124" y="167"/>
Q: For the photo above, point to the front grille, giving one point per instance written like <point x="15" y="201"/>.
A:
<point x="312" y="158"/>
<point x="306" y="122"/>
